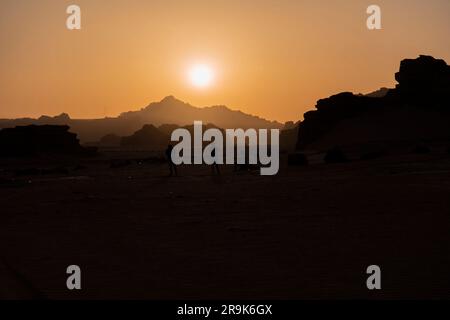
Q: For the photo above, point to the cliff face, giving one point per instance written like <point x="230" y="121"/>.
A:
<point x="423" y="87"/>
<point x="329" y="113"/>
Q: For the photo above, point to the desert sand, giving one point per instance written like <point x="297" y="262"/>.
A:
<point x="307" y="233"/>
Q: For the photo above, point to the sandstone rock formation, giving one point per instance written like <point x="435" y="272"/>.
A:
<point x="417" y="109"/>
<point x="33" y="140"/>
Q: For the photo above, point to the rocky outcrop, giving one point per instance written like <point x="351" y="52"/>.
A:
<point x="423" y="92"/>
<point x="33" y="140"/>
<point x="424" y="81"/>
<point x="331" y="111"/>
<point x="380" y="93"/>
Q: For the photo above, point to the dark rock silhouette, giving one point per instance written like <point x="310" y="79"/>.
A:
<point x="329" y="112"/>
<point x="168" y="128"/>
<point x="417" y="109"/>
<point x="110" y="140"/>
<point x="33" y="140"/>
<point x="62" y="119"/>
<point x="288" y="138"/>
<point x="380" y="93"/>
<point x="290" y="125"/>
<point x="149" y="137"/>
<point x="424" y="80"/>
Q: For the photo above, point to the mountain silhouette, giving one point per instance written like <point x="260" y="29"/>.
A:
<point x="151" y="138"/>
<point x="174" y="111"/>
<point x="168" y="111"/>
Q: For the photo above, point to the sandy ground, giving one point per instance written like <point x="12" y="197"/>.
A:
<point x="307" y="233"/>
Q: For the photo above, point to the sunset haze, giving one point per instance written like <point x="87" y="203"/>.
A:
<point x="274" y="59"/>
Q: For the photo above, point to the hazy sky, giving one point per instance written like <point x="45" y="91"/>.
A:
<point x="273" y="58"/>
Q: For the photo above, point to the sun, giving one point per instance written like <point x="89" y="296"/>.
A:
<point x="201" y="75"/>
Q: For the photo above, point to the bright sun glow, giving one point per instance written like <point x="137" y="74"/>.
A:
<point x="201" y="76"/>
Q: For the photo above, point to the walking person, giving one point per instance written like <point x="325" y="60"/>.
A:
<point x="172" y="166"/>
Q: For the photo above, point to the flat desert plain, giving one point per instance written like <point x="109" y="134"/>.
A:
<point x="307" y="233"/>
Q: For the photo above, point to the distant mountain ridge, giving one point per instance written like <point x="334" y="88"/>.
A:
<point x="170" y="108"/>
<point x="168" y="111"/>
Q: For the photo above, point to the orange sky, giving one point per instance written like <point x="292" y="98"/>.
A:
<point x="272" y="58"/>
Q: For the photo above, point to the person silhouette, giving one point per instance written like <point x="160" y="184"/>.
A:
<point x="215" y="166"/>
<point x="172" y="166"/>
